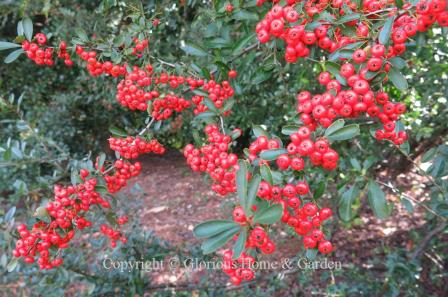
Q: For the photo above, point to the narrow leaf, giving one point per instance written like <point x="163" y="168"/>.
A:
<point x="252" y="193"/>
<point x="241" y="182"/>
<point x="238" y="248"/>
<point x="384" y="35"/>
<point x="217" y="241"/>
<point x="269" y="215"/>
<point x="270" y="155"/>
<point x="211" y="228"/>
<point x="27" y="28"/>
<point x="377" y="200"/>
<point x="7" y="45"/>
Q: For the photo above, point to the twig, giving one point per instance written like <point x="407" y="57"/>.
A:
<point x="418" y="250"/>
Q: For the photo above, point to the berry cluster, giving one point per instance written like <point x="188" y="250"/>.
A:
<point x="286" y="23"/>
<point x="164" y="107"/>
<point x="240" y="269"/>
<point x="58" y="221"/>
<point x="37" y="52"/>
<point x="214" y="159"/>
<point x="357" y="99"/>
<point x="217" y="93"/>
<point x="95" y="67"/>
<point x="123" y="172"/>
<point x="112" y="234"/>
<point x="262" y="143"/>
<point x="131" y="147"/>
<point x="139" y="47"/>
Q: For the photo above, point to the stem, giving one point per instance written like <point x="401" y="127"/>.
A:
<point x="147" y="127"/>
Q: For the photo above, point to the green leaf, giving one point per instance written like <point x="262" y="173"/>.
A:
<point x="398" y="62"/>
<point x="117" y="132"/>
<point x="377" y="200"/>
<point x="311" y="254"/>
<point x="398" y="79"/>
<point x="338" y="124"/>
<point x="211" y="106"/>
<point x="228" y="105"/>
<point x="269" y="215"/>
<point x="261" y="76"/>
<point x="244" y="15"/>
<point x="252" y="193"/>
<point x="12" y="265"/>
<point x="205" y="115"/>
<point x="320" y="190"/>
<point x="101" y="159"/>
<point x="102" y="190"/>
<point x="384" y="35"/>
<point x="270" y="155"/>
<point x="212" y="228"/>
<point x="429" y="155"/>
<point x="27" y="28"/>
<point x="82" y="34"/>
<point x="20" y="28"/>
<point x="290" y="129"/>
<point x="266" y="174"/>
<point x="13" y="56"/>
<point x="10" y="214"/>
<point x="7" y="45"/>
<point x="217" y="241"/>
<point x="344" y="133"/>
<point x="194" y="50"/>
<point x="355" y="163"/>
<point x="333" y="68"/>
<point x="347" y="18"/>
<point x="407" y="204"/>
<point x="238" y="248"/>
<point x="242" y="43"/>
<point x="259" y="131"/>
<point x="345" y="203"/>
<point x="241" y="182"/>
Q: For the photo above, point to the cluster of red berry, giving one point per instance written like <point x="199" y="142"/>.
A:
<point x="59" y="220"/>
<point x="112" y="234"/>
<point x="139" y="47"/>
<point x="304" y="220"/>
<point x="36" y="51"/>
<point x="131" y="147"/>
<point x="131" y="92"/>
<point x="95" y="67"/>
<point x="217" y="93"/>
<point x="286" y="23"/>
<point x="123" y="172"/>
<point x="240" y="269"/>
<point x="215" y="159"/>
<point x="357" y="99"/>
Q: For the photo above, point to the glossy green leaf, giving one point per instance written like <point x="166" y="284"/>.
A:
<point x="345" y="133"/>
<point x="270" y="155"/>
<point x="215" y="242"/>
<point x="240" y="243"/>
<point x="266" y="174"/>
<point x="194" y="50"/>
<point x="269" y="215"/>
<point x="8" y="45"/>
<point x="241" y="182"/>
<point x="117" y="132"/>
<point x="252" y="193"/>
<point x="377" y="200"/>
<point x="384" y="35"/>
<point x="13" y="56"/>
<point x="213" y="227"/>
<point x="338" y="124"/>
<point x="346" y="201"/>
<point x="28" y="28"/>
<point x="398" y="79"/>
<point x="290" y="129"/>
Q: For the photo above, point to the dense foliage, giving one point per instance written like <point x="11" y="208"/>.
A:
<point x="291" y="108"/>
